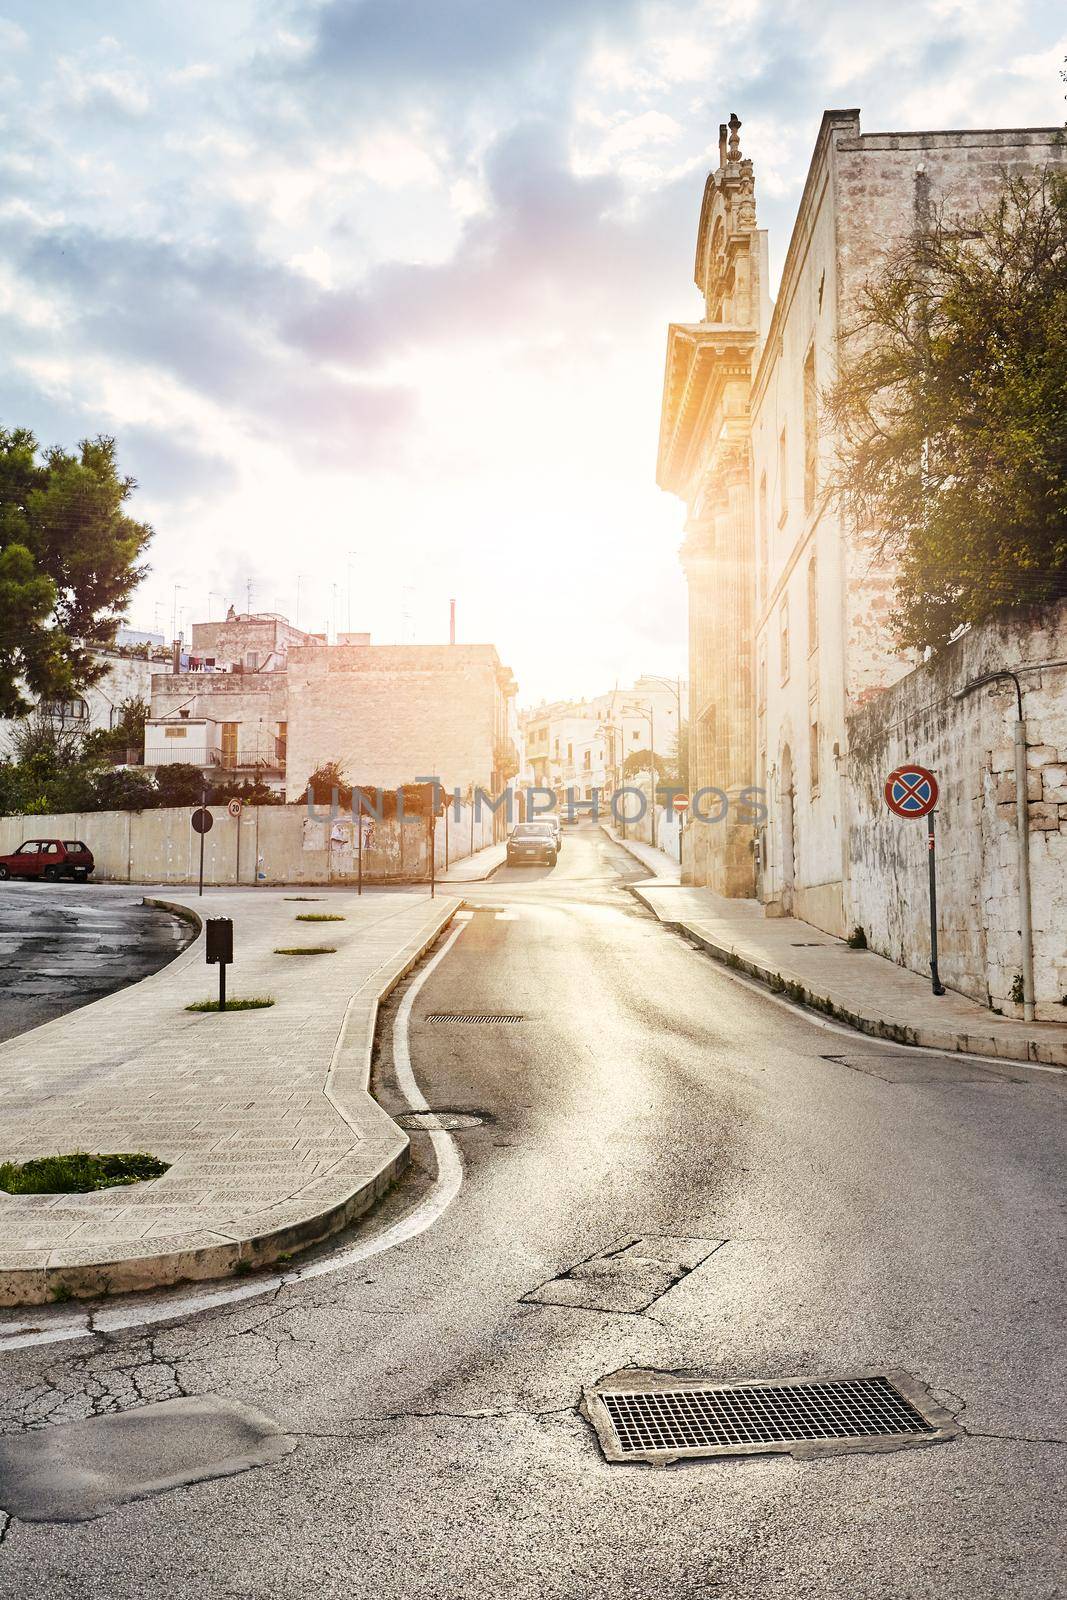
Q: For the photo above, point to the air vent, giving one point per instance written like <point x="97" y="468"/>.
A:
<point x="473" y="1016"/>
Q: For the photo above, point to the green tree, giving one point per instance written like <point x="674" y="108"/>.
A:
<point x="639" y="761"/>
<point x="950" y="408"/>
<point x="181" y="784"/>
<point x="68" y="563"/>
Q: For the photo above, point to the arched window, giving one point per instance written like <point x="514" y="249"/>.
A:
<point x="813" y="605"/>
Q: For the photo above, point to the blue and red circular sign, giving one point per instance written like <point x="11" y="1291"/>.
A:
<point x="911" y="791"/>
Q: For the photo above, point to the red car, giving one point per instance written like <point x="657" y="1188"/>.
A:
<point x="49" y="858"/>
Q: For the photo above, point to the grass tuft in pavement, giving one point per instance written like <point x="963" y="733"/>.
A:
<point x="77" y="1173"/>
<point x="303" y="897"/>
<point x="318" y="916"/>
<point x="233" y="1005"/>
<point x="305" y="950"/>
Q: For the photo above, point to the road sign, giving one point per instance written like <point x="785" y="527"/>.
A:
<point x="680" y="802"/>
<point x="202" y="820"/>
<point x="234" y="808"/>
<point x="911" y="791"/>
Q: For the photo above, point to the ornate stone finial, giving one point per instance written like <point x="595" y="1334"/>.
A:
<point x="722" y="144"/>
<point x="735" y="142"/>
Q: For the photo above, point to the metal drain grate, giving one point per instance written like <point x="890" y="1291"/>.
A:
<point x="662" y="1421"/>
<point x="473" y="1016"/>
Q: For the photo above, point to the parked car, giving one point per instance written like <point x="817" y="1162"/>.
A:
<point x="49" y="858"/>
<point x="532" y="841"/>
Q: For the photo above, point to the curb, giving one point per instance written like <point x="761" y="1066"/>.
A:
<point x="950" y="1043"/>
<point x="624" y="844"/>
<point x="347" y="1087"/>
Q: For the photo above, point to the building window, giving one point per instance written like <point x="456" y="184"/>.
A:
<point x="813" y="757"/>
<point x="811" y="433"/>
<point x="281" y="742"/>
<point x="252" y="661"/>
<point x="229" y="744"/>
<point x="65" y="710"/>
<point x="764" y="538"/>
<point x="635" y="735"/>
<point x="783" y="476"/>
<point x="588" y="761"/>
<point x="570" y="752"/>
<point x="761" y="679"/>
<point x="783" y="641"/>
<point x="813" y="605"/>
<point x="174" y="733"/>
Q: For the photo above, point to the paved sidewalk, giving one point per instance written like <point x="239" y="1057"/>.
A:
<point x="857" y="986"/>
<point x="659" y="863"/>
<point x="265" y="1116"/>
<point x="473" y="869"/>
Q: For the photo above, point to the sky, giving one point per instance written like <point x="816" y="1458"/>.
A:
<point x="374" y="294"/>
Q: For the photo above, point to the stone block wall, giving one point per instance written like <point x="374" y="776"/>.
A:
<point x="968" y="744"/>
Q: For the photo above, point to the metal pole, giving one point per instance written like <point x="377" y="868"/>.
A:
<point x="433" y="856"/>
<point x="203" y="806"/>
<point x="222" y="986"/>
<point x="1022" y="824"/>
<point x="357" y="804"/>
<point x="237" y="866"/>
<point x="256" y="874"/>
<point x="935" y="981"/>
<point x="652" y="742"/>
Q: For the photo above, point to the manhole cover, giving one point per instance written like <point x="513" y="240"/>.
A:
<point x="440" y="1121"/>
<point x="473" y="1016"/>
<point x="650" y="1417"/>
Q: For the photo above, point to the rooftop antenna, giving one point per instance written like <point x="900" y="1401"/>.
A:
<point x="248" y="593"/>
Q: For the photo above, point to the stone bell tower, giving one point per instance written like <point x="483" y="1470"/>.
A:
<point x="704" y="458"/>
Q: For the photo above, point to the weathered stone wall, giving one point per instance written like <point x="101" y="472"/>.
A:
<point x="278" y="844"/>
<point x="968" y="744"/>
<point x="257" y="702"/>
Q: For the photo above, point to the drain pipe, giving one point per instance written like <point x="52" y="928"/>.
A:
<point x="1022" y="828"/>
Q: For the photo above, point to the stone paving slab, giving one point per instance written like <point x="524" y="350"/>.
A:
<point x="265" y="1116"/>
<point x="857" y="986"/>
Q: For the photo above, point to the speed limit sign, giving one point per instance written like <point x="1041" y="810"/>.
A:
<point x="234" y="808"/>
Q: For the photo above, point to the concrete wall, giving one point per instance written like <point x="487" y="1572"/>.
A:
<point x="160" y="847"/>
<point x="968" y="745"/>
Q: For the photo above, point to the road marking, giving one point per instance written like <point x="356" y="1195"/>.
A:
<point x="446" y="1186"/>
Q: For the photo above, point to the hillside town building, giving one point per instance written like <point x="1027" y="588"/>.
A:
<point x="581" y="746"/>
<point x="259" y="698"/>
<point x="790" y="608"/>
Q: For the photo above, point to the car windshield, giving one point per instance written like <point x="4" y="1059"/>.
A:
<point x="533" y="830"/>
<point x="28" y="849"/>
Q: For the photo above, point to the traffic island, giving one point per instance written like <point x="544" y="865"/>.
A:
<point x="266" y="1125"/>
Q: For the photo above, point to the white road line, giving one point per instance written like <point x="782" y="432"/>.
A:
<point x="446" y="1187"/>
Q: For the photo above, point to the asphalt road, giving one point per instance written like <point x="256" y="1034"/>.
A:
<point x="62" y="945"/>
<point x="886" y="1209"/>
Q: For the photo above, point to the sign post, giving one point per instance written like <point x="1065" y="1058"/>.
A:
<point x="912" y="792"/>
<point x="234" y="808"/>
<point x="202" y="822"/>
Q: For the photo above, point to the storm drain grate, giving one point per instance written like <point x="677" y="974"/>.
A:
<point x="804" y="1415"/>
<point x="473" y="1016"/>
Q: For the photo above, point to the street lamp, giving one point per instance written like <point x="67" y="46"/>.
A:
<point x="1022" y="817"/>
<point x="675" y="687"/>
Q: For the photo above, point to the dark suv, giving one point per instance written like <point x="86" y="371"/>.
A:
<point x="49" y="858"/>
<point x="532" y="841"/>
